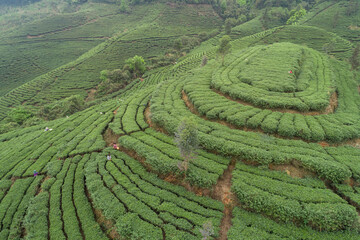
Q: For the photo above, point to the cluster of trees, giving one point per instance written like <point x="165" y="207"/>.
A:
<point x="225" y="8"/>
<point x="111" y="81"/>
<point x="25" y="117"/>
<point x="17" y="2"/>
<point x="352" y="8"/>
<point x="224" y="47"/>
<point x="282" y="3"/>
<point x="62" y="108"/>
<point x="114" y="80"/>
<point x="19" y="116"/>
<point x="274" y="16"/>
<point x="181" y="46"/>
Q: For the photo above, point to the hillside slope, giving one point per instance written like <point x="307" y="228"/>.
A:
<point x="278" y="126"/>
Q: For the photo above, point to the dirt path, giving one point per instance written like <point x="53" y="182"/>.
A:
<point x="222" y="192"/>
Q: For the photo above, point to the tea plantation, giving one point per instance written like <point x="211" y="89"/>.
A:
<point x="277" y="122"/>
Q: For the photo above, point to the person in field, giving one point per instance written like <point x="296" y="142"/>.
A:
<point x="115" y="146"/>
<point x="108" y="157"/>
<point x="35" y="173"/>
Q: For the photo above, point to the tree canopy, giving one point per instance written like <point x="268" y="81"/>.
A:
<point x="187" y="141"/>
<point x="224" y="46"/>
<point x="137" y="65"/>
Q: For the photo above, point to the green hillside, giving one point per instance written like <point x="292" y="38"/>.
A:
<point x="258" y="141"/>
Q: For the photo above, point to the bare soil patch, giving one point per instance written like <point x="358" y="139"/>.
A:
<point x="333" y="103"/>
<point x="39" y="189"/>
<point x="189" y="103"/>
<point x="34" y="36"/>
<point x="110" y="137"/>
<point x="324" y="144"/>
<point x="354" y="28"/>
<point x="91" y="95"/>
<point x="294" y="170"/>
<point x="353" y="142"/>
<point x="147" y="115"/>
<point x="222" y="192"/>
<point x="351" y="182"/>
<point x="180" y="180"/>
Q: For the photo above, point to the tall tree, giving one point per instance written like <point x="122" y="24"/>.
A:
<point x="354" y="59"/>
<point x="224" y="47"/>
<point x="187" y="141"/>
<point x="136" y="65"/>
<point x="207" y="230"/>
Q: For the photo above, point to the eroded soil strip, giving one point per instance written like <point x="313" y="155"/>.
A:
<point x="222" y="192"/>
<point x="104" y="224"/>
<point x="330" y="186"/>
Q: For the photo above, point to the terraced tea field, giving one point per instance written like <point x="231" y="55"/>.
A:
<point x="77" y="46"/>
<point x="278" y="128"/>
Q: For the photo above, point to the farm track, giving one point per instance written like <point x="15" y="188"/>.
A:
<point x="222" y="192"/>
